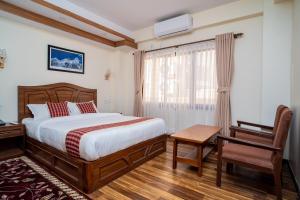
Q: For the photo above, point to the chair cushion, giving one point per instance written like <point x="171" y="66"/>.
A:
<point x="253" y="138"/>
<point x="248" y="155"/>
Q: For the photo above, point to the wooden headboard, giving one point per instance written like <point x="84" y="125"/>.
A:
<point x="58" y="92"/>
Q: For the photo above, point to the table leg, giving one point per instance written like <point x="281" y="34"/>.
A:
<point x="199" y="159"/>
<point x="175" y="153"/>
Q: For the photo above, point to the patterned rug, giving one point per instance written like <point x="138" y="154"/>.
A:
<point x="21" y="178"/>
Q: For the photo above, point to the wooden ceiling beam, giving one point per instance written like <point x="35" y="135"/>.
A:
<point x="126" y="43"/>
<point x="82" y="19"/>
<point x="10" y="8"/>
<point x="7" y="7"/>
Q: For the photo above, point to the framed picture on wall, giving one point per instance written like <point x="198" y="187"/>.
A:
<point x="66" y="60"/>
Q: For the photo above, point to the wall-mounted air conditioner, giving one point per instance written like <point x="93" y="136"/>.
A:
<point x="173" y="26"/>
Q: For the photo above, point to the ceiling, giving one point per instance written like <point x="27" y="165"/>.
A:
<point x="138" y="14"/>
<point x="110" y="22"/>
<point x="50" y="13"/>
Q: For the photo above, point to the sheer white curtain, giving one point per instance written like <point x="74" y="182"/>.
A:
<point x="180" y="85"/>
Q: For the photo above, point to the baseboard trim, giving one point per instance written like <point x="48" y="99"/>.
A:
<point x="293" y="176"/>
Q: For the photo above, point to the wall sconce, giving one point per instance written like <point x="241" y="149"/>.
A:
<point x="3" y="57"/>
<point x="107" y="75"/>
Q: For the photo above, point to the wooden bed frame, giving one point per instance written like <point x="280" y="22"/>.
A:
<point x="87" y="176"/>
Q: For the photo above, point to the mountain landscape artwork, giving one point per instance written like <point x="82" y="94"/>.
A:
<point x="61" y="59"/>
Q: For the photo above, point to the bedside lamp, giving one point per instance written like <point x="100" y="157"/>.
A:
<point x="3" y="57"/>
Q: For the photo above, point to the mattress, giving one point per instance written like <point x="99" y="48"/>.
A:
<point x="99" y="143"/>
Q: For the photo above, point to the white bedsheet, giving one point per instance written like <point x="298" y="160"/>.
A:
<point x="99" y="143"/>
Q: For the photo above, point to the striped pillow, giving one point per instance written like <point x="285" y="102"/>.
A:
<point x="87" y="107"/>
<point x="58" y="109"/>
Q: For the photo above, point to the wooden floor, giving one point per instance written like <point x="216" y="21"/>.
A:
<point x="157" y="180"/>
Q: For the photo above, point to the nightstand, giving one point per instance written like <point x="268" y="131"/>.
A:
<point x="12" y="138"/>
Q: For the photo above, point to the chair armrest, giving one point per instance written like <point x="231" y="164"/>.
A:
<point x="254" y="125"/>
<point x="251" y="132"/>
<point x="248" y="143"/>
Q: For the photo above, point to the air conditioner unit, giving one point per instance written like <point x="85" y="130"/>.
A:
<point x="173" y="26"/>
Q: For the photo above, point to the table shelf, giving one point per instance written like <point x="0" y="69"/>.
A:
<point x="191" y="157"/>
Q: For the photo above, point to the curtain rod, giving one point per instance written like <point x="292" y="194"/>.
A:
<point x="237" y="35"/>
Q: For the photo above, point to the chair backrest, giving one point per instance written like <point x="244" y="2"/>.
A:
<point x="283" y="128"/>
<point x="279" y="111"/>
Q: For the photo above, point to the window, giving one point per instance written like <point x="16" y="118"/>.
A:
<point x="185" y="76"/>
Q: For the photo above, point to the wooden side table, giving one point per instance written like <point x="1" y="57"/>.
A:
<point x="198" y="136"/>
<point x="12" y="138"/>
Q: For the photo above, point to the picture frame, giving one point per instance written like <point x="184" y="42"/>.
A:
<point x="65" y="60"/>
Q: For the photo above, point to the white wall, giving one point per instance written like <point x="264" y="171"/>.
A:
<point x="277" y="49"/>
<point x="295" y="132"/>
<point x="124" y="93"/>
<point x="27" y="65"/>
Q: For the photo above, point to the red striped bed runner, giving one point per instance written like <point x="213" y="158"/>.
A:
<point x="74" y="136"/>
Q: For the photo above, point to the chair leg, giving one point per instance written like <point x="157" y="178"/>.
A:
<point x="281" y="177"/>
<point x="219" y="172"/>
<point x="219" y="162"/>
<point x="277" y="180"/>
<point x="229" y="168"/>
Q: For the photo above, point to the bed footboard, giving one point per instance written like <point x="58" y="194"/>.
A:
<point x="88" y="176"/>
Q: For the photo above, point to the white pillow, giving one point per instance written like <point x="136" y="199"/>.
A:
<point x="39" y="111"/>
<point x="74" y="110"/>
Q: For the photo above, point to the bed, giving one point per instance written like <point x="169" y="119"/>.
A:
<point x="91" y="170"/>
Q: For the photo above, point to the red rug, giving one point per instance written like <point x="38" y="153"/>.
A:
<point x="21" y="178"/>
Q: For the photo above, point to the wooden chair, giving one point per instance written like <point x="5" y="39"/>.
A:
<point x="265" y="135"/>
<point x="263" y="157"/>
